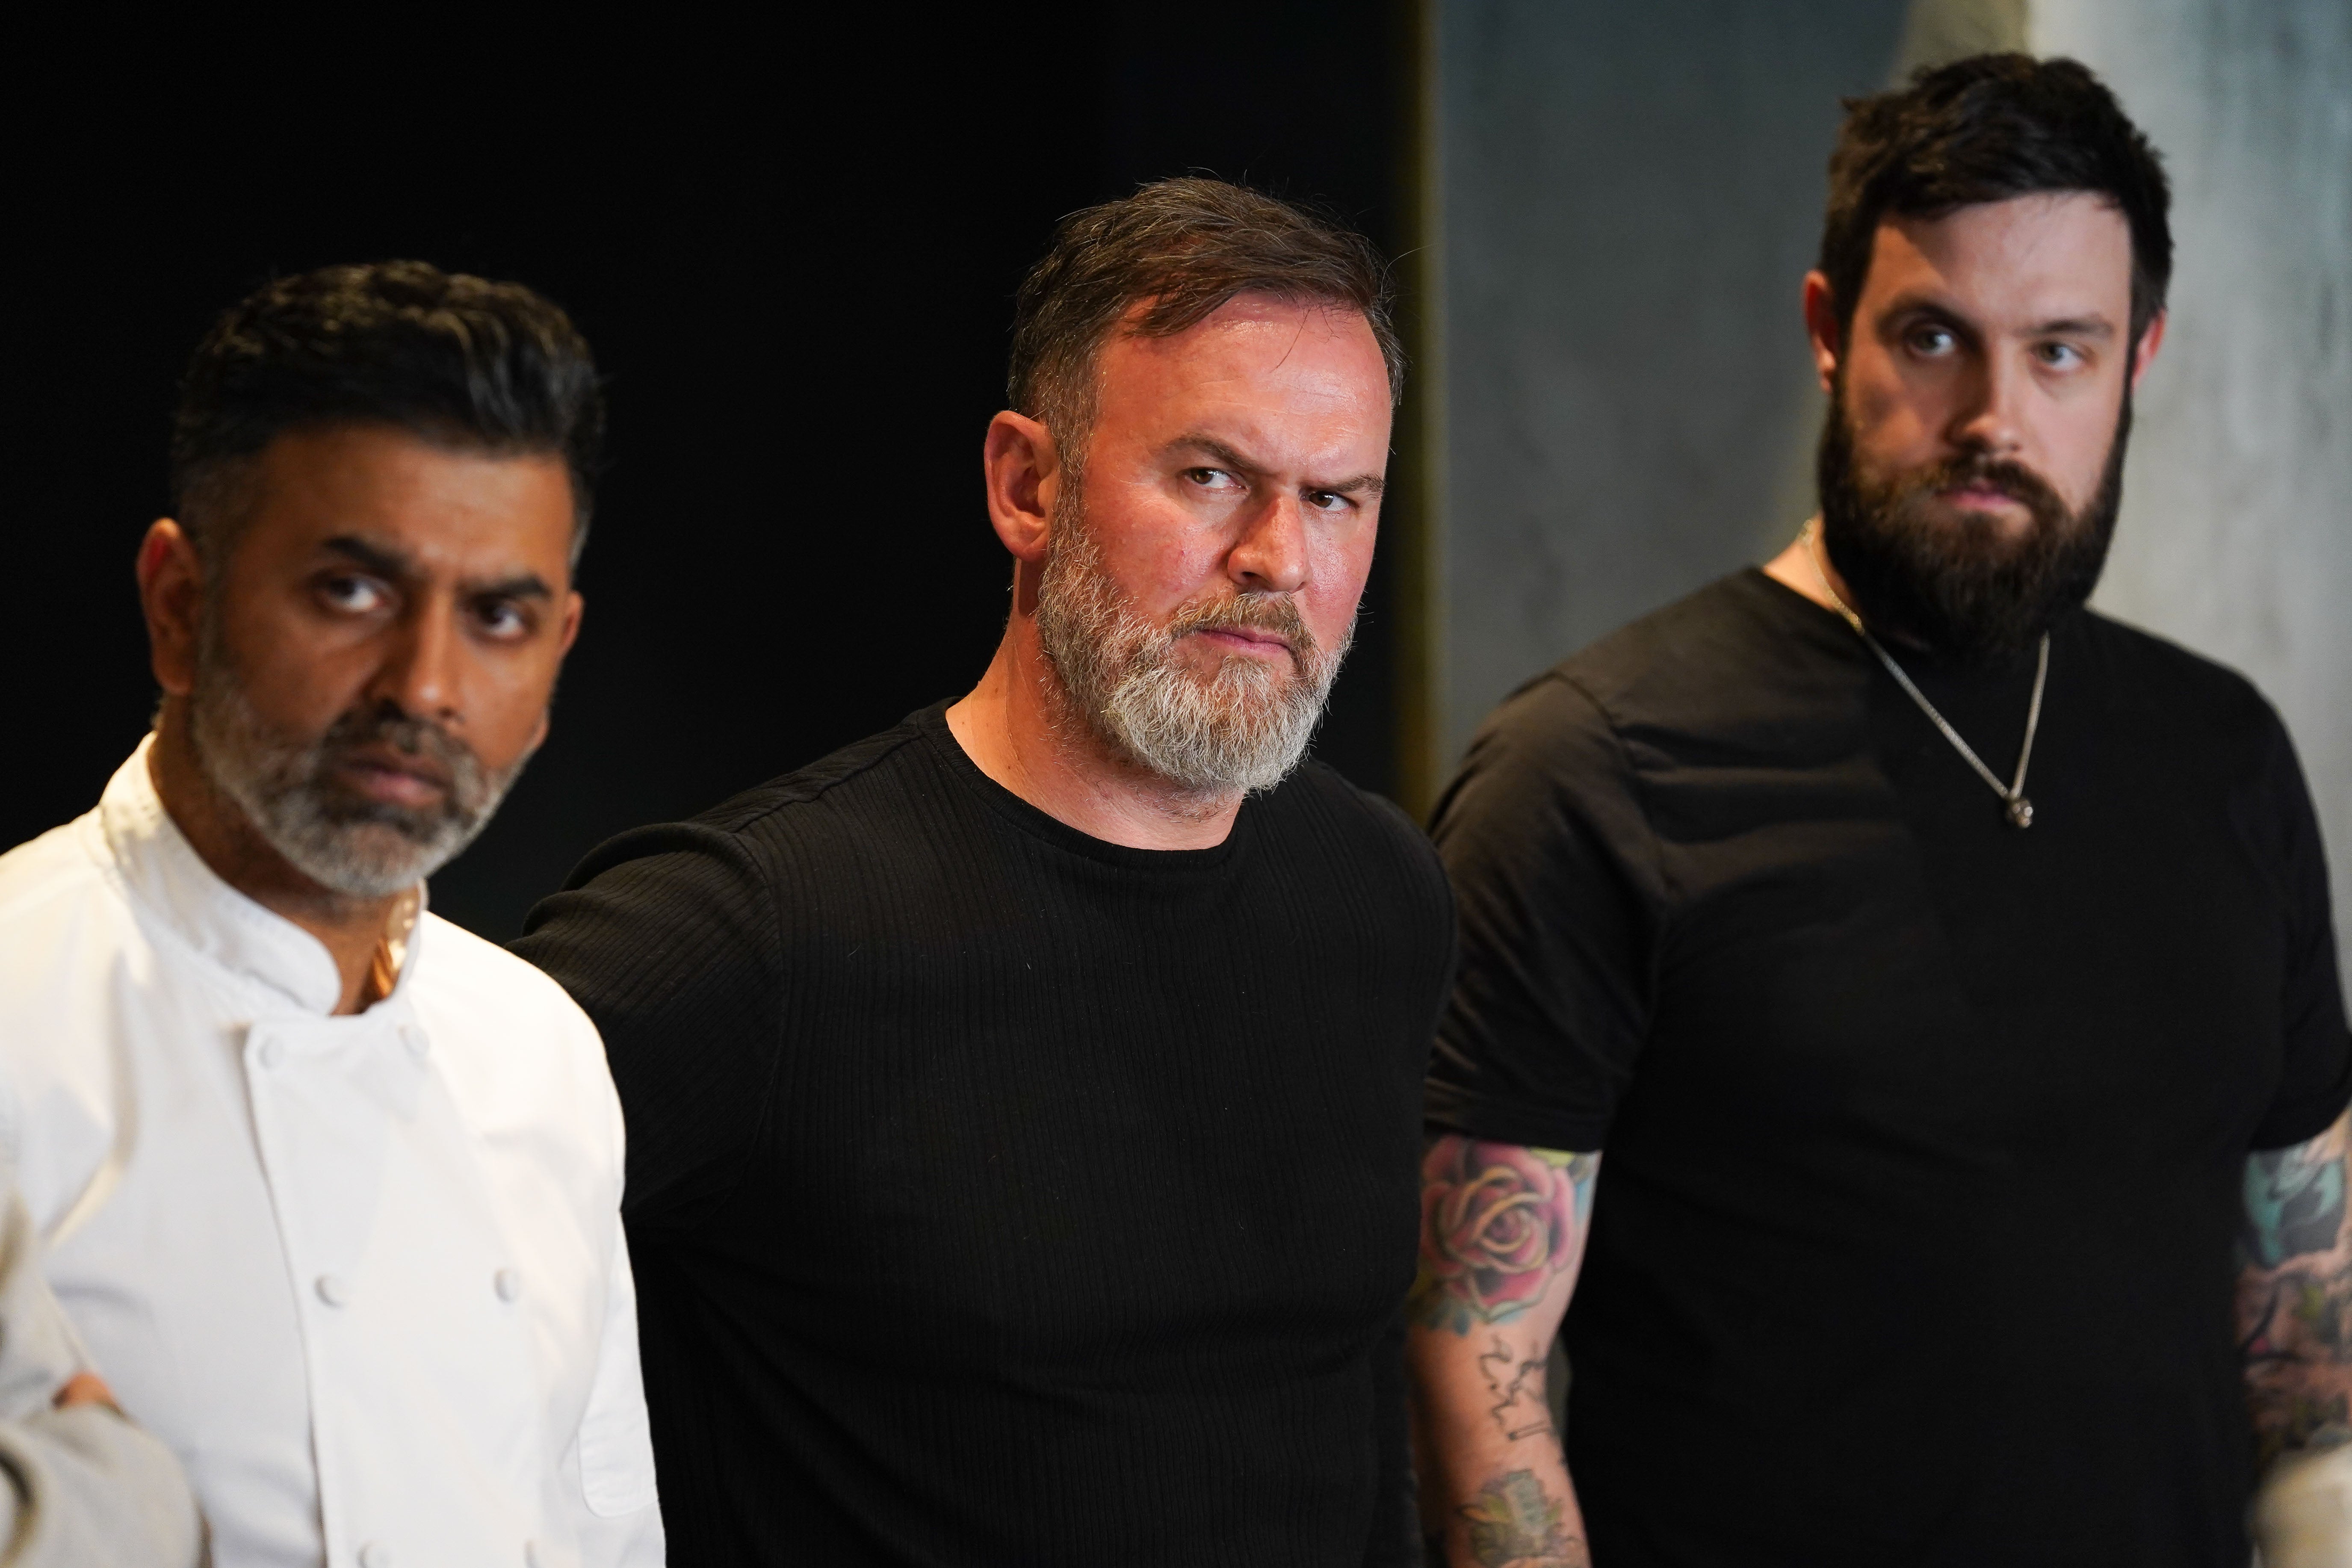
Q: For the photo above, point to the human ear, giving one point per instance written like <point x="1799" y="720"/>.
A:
<point x="574" y="606"/>
<point x="1822" y="325"/>
<point x="170" y="596"/>
<point x="1023" y="471"/>
<point x="2144" y="352"/>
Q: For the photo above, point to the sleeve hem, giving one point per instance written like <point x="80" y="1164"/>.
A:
<point x="2285" y="1127"/>
<point x="1449" y="1109"/>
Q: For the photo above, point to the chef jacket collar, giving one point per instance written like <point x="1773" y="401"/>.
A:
<point x="164" y="872"/>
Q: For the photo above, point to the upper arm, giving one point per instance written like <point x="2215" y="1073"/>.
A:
<point x="1559" y="905"/>
<point x="667" y="940"/>
<point x="2316" y="1065"/>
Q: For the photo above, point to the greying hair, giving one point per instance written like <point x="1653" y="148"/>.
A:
<point x="1186" y="246"/>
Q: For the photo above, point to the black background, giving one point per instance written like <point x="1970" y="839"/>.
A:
<point x="795" y="254"/>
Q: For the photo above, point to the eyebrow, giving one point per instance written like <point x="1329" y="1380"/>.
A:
<point x="387" y="562"/>
<point x="2062" y="326"/>
<point x="1226" y="457"/>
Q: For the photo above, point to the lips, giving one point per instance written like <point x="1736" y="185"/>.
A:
<point x="1250" y="636"/>
<point x="394" y="777"/>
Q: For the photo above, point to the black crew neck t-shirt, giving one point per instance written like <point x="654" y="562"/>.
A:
<point x="1925" y="1135"/>
<point x="1000" y="1195"/>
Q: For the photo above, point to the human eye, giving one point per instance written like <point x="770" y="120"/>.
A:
<point x="2059" y="356"/>
<point x="1328" y="500"/>
<point x="504" y="620"/>
<point x="1214" y="480"/>
<point x="1931" y="340"/>
<point x="350" y="593"/>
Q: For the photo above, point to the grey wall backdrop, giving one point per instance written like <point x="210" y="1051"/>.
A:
<point x="2236" y="536"/>
<point x="1621" y="202"/>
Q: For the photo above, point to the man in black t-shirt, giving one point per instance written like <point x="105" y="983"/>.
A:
<point x="1024" y="1103"/>
<point x="1921" y="988"/>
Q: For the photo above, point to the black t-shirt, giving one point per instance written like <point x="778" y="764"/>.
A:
<point x="1925" y="1135"/>
<point x="1000" y="1195"/>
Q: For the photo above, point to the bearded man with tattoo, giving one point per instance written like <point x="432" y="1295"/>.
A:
<point x="1945" y="969"/>
<point x="1024" y="1103"/>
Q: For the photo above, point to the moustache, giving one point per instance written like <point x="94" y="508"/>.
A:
<point x="1273" y="614"/>
<point x="412" y="737"/>
<point x="1976" y="470"/>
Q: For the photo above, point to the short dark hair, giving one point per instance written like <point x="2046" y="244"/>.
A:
<point x="458" y="361"/>
<point x="1187" y="245"/>
<point x="1988" y="129"/>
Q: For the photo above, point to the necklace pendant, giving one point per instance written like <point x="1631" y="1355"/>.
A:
<point x="2021" y="812"/>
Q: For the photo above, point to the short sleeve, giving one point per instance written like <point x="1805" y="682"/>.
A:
<point x="2315" y="1074"/>
<point x="1559" y="906"/>
<point x="667" y="939"/>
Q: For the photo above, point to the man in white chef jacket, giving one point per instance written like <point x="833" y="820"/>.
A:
<point x="329" y="1187"/>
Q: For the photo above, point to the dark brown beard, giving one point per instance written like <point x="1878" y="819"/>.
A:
<point x="1952" y="584"/>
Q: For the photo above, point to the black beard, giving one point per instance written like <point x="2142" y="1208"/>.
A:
<point x="1954" y="585"/>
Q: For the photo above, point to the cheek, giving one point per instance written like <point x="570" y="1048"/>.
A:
<point x="1341" y="565"/>
<point x="505" y="703"/>
<point x="2077" y="458"/>
<point x="290" y="666"/>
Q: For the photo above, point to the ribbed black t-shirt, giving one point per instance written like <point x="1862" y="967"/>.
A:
<point x="1000" y="1195"/>
<point x="1925" y="1136"/>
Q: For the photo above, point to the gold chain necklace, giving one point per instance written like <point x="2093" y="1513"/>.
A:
<point x="2012" y="795"/>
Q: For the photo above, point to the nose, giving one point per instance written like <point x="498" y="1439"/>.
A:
<point x="1989" y="417"/>
<point x="418" y="674"/>
<point x="1270" y="556"/>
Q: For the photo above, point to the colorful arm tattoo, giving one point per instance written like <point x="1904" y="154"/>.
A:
<point x="2294" y="1295"/>
<point x="1498" y="1224"/>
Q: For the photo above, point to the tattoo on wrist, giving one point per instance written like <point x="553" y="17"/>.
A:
<point x="1514" y="1522"/>
<point x="1498" y="1223"/>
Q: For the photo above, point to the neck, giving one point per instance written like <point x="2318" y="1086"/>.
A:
<point x="1017" y="727"/>
<point x="1806" y="568"/>
<point x="351" y="929"/>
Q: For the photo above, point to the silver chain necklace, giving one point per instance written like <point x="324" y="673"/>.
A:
<point x="2019" y="809"/>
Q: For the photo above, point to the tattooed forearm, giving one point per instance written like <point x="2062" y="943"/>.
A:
<point x="1514" y="1521"/>
<point x="2294" y="1295"/>
<point x="1516" y="1382"/>
<point x="1498" y="1223"/>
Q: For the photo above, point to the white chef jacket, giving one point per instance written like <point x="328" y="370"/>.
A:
<point x="364" y="1275"/>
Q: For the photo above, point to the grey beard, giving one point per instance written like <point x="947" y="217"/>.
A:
<point x="285" y="785"/>
<point x="1243" y="727"/>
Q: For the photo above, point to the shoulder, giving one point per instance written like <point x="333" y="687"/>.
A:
<point x="1743" y="628"/>
<point x="463" y="976"/>
<point x="1318" y="790"/>
<point x="696" y="913"/>
<point x="739" y="839"/>
<point x="41" y="876"/>
<point x="2142" y="669"/>
<point x="513" y="1041"/>
<point x="65" y="920"/>
<point x="1317" y="811"/>
<point x="1694" y="666"/>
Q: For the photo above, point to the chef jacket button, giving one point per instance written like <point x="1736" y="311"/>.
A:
<point x="375" y="1554"/>
<point x="506" y="1283"/>
<point x="332" y="1291"/>
<point x="268" y="1053"/>
<point x="413" y="1039"/>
